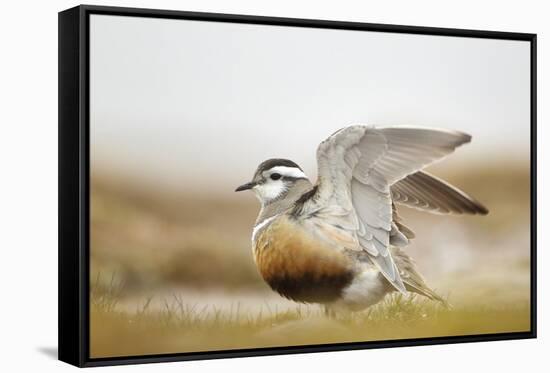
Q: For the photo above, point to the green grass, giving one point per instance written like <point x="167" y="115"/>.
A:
<point x="181" y="327"/>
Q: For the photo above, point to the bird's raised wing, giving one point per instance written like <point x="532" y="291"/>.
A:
<point x="426" y="192"/>
<point x="357" y="167"/>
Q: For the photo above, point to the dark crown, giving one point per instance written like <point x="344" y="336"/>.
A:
<point x="274" y="162"/>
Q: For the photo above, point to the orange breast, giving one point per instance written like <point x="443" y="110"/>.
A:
<point x="298" y="266"/>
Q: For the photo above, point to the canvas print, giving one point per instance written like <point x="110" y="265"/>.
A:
<point x="257" y="186"/>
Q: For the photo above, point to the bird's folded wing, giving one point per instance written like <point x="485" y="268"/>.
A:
<point x="426" y="192"/>
<point x="357" y="166"/>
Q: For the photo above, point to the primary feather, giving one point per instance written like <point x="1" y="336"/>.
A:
<point x="426" y="192"/>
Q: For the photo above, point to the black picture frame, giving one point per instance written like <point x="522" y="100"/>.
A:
<point x="74" y="182"/>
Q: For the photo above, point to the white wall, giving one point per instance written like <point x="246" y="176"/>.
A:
<point x="28" y="202"/>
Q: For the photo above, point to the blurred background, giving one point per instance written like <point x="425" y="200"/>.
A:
<point x="182" y="112"/>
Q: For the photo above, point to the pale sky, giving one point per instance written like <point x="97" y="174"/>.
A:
<point x="201" y="104"/>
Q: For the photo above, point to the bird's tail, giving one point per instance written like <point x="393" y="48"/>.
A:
<point x="412" y="279"/>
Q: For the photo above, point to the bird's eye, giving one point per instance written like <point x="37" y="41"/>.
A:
<point x="275" y="176"/>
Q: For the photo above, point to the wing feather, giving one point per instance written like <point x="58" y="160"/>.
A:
<point x="358" y="166"/>
<point x="429" y="193"/>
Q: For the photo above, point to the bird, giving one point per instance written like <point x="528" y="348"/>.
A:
<point x="340" y="242"/>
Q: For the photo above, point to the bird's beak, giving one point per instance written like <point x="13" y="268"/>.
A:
<point x="246" y="186"/>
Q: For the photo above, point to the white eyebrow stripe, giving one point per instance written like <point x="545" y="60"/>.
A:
<point x="288" y="171"/>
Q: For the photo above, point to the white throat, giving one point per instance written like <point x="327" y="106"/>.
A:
<point x="270" y="191"/>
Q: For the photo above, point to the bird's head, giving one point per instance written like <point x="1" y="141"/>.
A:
<point x="274" y="179"/>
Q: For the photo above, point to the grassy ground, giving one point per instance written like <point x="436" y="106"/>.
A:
<point x="181" y="327"/>
<point x="146" y="245"/>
